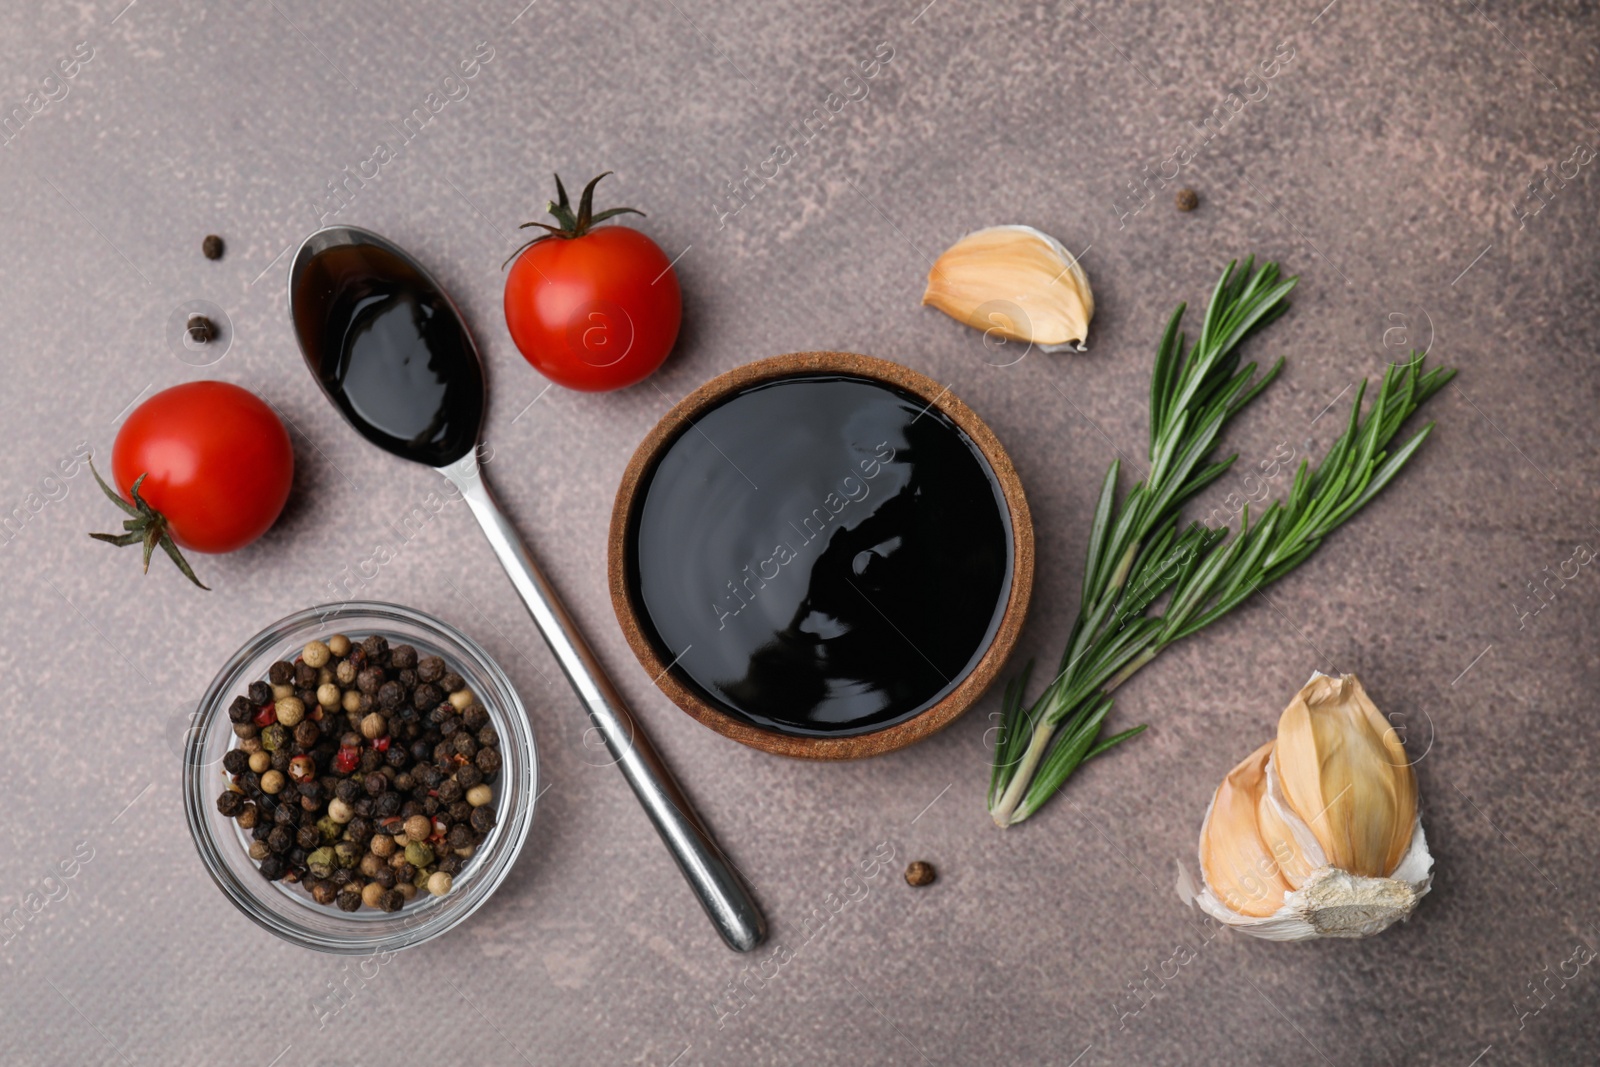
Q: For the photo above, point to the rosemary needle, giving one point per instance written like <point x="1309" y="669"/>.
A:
<point x="1139" y="549"/>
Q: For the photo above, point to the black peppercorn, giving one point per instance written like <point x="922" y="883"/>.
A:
<point x="308" y="837"/>
<point x="297" y="859"/>
<point x="483" y="818"/>
<point x="262" y="828"/>
<point x="475" y="716"/>
<point x="404" y="872"/>
<point x="468" y="775"/>
<point x="349" y="899"/>
<point x="347" y="790"/>
<point x="313" y="791"/>
<point x="488" y="736"/>
<point x="920" y="873"/>
<point x="241" y="710"/>
<point x="450" y="791"/>
<point x="305" y="676"/>
<point x="371" y="760"/>
<point x="404" y="781"/>
<point x="451" y="681"/>
<point x="363" y="806"/>
<point x="425" y="696"/>
<point x="307" y="733"/>
<point x="450" y="727"/>
<point x="375" y="785"/>
<point x="460" y="836"/>
<point x="281" y="673"/>
<point x="323" y="891"/>
<point x="280" y="759"/>
<point x="282" y="814"/>
<point x="237" y="761"/>
<point x="260" y="693"/>
<point x="430" y="668"/>
<point x="280" y="839"/>
<point x="375" y="646"/>
<point x="212" y="247"/>
<point x="397" y="757"/>
<point x="488" y="761"/>
<point x="430" y="806"/>
<point x="369" y="680"/>
<point x="387" y="805"/>
<point x="230" y="803"/>
<point x="1187" y="200"/>
<point x="391" y="900"/>
<point x="407" y="678"/>
<point x="465" y="746"/>
<point x="402" y="657"/>
<point x="460" y="811"/>
<point x="273" y="868"/>
<point x="390" y="694"/>
<point x="451" y="865"/>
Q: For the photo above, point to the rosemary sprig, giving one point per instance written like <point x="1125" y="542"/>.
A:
<point x="1139" y="551"/>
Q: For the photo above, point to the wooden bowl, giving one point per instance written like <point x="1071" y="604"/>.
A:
<point x="630" y="613"/>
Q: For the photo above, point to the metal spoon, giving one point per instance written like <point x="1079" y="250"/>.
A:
<point x="392" y="352"/>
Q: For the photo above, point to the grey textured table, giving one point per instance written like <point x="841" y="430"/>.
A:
<point x="1387" y="161"/>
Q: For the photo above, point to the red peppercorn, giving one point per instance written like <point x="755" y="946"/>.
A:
<point x="347" y="760"/>
<point x="267" y="715"/>
<point x="382" y="743"/>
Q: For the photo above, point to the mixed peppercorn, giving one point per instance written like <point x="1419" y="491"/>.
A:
<point x="364" y="772"/>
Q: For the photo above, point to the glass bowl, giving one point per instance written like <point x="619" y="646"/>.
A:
<point x="287" y="909"/>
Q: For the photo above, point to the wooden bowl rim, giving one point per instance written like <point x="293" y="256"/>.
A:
<point x="877" y="742"/>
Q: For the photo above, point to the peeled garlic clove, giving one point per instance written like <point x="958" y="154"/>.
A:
<point x="1233" y="858"/>
<point x="1014" y="282"/>
<point x="1334" y="789"/>
<point x="1343" y="768"/>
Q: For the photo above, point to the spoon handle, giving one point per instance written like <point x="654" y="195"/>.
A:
<point x="723" y="895"/>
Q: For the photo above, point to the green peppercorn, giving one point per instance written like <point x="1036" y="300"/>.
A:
<point x="321" y="862"/>
<point x="418" y="854"/>
<point x="274" y="737"/>
<point x="346" y="854"/>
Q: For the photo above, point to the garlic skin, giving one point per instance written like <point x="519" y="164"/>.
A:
<point x="1016" y="282"/>
<point x="1316" y="834"/>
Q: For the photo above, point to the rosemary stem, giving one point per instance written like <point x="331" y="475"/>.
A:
<point x="1131" y="668"/>
<point x="1037" y="745"/>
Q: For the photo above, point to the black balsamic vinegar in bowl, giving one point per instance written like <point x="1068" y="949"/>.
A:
<point x="820" y="555"/>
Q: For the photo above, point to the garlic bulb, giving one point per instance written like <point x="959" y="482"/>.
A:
<point x="1316" y="834"/>
<point x="1014" y="282"/>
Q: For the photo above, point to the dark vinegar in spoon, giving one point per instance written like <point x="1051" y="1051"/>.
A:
<point x="391" y="353"/>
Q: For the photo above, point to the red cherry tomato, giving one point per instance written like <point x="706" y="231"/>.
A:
<point x="593" y="309"/>
<point x="216" y="460"/>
